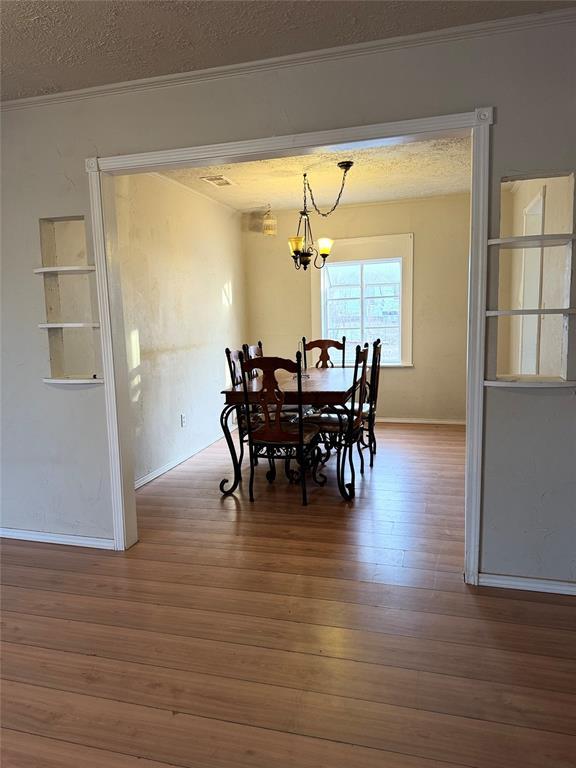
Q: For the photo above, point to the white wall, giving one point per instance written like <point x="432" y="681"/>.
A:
<point x="56" y="472"/>
<point x="180" y="265"/>
<point x="435" y="388"/>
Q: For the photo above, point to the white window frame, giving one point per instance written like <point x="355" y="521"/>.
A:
<point x="372" y="249"/>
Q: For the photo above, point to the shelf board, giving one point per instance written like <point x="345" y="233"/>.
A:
<point x="68" y="325"/>
<point x="65" y="270"/>
<point x="521" y="312"/>
<point x="535" y="382"/>
<point x="64" y="380"/>
<point x="532" y="241"/>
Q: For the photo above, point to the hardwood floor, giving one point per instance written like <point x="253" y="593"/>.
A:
<point x="277" y="636"/>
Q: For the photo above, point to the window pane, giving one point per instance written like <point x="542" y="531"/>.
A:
<point x="344" y="292"/>
<point x="383" y="271"/>
<point x="353" y="335"/>
<point x="382" y="289"/>
<point x="391" y="345"/>
<point x="346" y="274"/>
<point x="344" y="314"/>
<point x="381" y="312"/>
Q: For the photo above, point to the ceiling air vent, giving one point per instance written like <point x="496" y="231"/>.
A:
<point x="216" y="181"/>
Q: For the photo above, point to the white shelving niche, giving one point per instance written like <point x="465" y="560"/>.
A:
<point x="71" y="303"/>
<point x="533" y="309"/>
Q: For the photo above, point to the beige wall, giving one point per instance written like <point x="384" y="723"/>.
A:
<point x="179" y="258"/>
<point x="283" y="303"/>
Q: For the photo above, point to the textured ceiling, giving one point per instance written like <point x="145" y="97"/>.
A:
<point x="380" y="173"/>
<point x="60" y="45"/>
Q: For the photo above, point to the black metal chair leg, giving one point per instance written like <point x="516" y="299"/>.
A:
<point x="359" y="447"/>
<point x="339" y="477"/>
<point x="317" y="476"/>
<point x="343" y="487"/>
<point x="302" y="468"/>
<point x="241" y="435"/>
<point x="251" y="484"/>
<point x="271" y="474"/>
<point x="352" y="484"/>
<point x="372" y="443"/>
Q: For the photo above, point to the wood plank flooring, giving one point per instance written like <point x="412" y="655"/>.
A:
<point x="277" y="636"/>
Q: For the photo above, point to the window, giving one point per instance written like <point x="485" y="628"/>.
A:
<point x="366" y="299"/>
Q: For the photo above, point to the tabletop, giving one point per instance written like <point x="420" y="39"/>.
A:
<point x="320" y="386"/>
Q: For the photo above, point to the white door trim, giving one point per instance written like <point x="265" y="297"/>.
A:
<point x="103" y="291"/>
<point x="284" y="146"/>
<point x="477" y="276"/>
<point x="478" y="122"/>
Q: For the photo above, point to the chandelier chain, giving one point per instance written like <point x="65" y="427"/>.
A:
<point x="318" y="211"/>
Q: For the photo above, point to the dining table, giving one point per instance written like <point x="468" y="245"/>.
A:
<point x="320" y="387"/>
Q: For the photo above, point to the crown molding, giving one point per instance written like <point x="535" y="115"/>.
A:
<point x="483" y="29"/>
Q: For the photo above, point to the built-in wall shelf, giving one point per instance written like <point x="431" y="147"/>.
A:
<point x="68" y="325"/>
<point x="520" y="312"/>
<point x="532" y="241"/>
<point x="71" y="300"/>
<point x="533" y="382"/>
<point x="87" y="380"/>
<point x="83" y="270"/>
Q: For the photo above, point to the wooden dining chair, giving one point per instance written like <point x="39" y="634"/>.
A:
<point x="324" y="345"/>
<point x="342" y="427"/>
<point x="234" y="367"/>
<point x="252" y="351"/>
<point x="369" y="410"/>
<point x="274" y="436"/>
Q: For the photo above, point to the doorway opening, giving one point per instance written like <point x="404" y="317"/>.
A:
<point x="309" y="312"/>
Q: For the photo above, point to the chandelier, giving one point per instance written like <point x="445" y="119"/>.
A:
<point x="302" y="248"/>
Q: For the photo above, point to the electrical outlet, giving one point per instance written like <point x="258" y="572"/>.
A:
<point x="182" y="419"/>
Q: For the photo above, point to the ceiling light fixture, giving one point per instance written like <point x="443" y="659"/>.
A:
<point x="302" y="248"/>
<point x="269" y="223"/>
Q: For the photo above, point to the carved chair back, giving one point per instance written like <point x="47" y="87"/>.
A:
<point x="270" y="397"/>
<point x="324" y="345"/>
<point x="374" y="375"/>
<point x="358" y="397"/>
<point x="234" y="367"/>
<point x="250" y="352"/>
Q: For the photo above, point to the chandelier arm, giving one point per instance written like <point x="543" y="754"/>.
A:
<point x="318" y="211"/>
<point x="310" y="232"/>
<point x="316" y="261"/>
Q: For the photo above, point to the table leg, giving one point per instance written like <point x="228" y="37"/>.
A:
<point x="344" y="455"/>
<point x="236" y="460"/>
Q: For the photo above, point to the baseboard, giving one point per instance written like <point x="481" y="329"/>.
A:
<point x="527" y="583"/>
<point x="57" y="538"/>
<point x="171" y="464"/>
<point x="391" y="420"/>
<point x="162" y="470"/>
